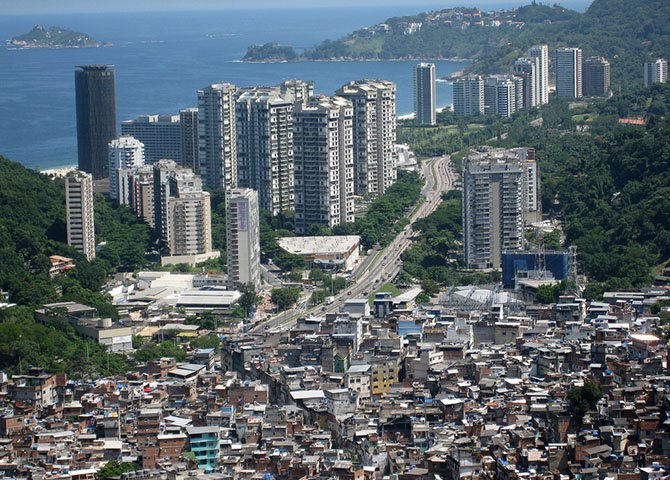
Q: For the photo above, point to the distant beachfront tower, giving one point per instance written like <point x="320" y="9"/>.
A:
<point x="655" y="72"/>
<point x="469" y="96"/>
<point x="243" y="237"/>
<point x="217" y="136"/>
<point x="596" y="77"/>
<point x="160" y="134"/>
<point x="424" y="94"/>
<point x="188" y="123"/>
<point x="568" y="68"/>
<point x="541" y="53"/>
<point x="265" y="146"/>
<point x="79" y="207"/>
<point x="124" y="153"/>
<point x="95" y="94"/>
<point x="323" y="163"/>
<point x="374" y="130"/>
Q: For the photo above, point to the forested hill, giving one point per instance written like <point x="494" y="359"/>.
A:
<point x="608" y="182"/>
<point x="32" y="227"/>
<point x="625" y="31"/>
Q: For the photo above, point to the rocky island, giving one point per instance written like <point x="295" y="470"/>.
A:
<point x="54" y="37"/>
<point x="270" y="52"/>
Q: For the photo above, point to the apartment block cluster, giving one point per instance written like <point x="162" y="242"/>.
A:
<point x="527" y="84"/>
<point x="476" y="384"/>
<point x="299" y="151"/>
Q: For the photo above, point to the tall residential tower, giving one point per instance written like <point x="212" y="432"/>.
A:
<point x="500" y="191"/>
<point x="217" y="136"/>
<point x="568" y="67"/>
<point x="541" y="53"/>
<point x="655" y="72"/>
<point x="469" y="96"/>
<point x="124" y="153"/>
<point x="79" y="207"/>
<point x="374" y="131"/>
<point x="424" y="94"/>
<point x="243" y="237"/>
<point x="265" y="146"/>
<point x="324" y="163"/>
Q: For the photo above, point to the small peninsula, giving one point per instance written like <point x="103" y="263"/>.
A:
<point x="54" y="37"/>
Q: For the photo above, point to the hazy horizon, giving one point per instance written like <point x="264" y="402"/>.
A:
<point x="46" y="7"/>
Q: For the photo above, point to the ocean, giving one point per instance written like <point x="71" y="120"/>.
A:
<point x="162" y="58"/>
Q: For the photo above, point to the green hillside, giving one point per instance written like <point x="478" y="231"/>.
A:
<point x="625" y="31"/>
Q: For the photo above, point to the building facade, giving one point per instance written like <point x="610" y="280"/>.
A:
<point x="596" y="77"/>
<point x="500" y="95"/>
<point x="265" y="147"/>
<point x="498" y="191"/>
<point x="217" y="137"/>
<point x="243" y="238"/>
<point x="188" y="124"/>
<point x="425" y="94"/>
<point x="324" y="163"/>
<point x="95" y="92"/>
<point x="136" y="189"/>
<point x="182" y="211"/>
<point x="568" y="67"/>
<point x="469" y="96"/>
<point x="541" y="53"/>
<point x="374" y="131"/>
<point x="528" y="70"/>
<point x="655" y="72"/>
<point x="160" y="134"/>
<point x="124" y="153"/>
<point x="299" y="90"/>
<point x="80" y="216"/>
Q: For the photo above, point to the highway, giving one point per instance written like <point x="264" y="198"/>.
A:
<point x="385" y="264"/>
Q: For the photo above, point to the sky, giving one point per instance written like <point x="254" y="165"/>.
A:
<point x="81" y="6"/>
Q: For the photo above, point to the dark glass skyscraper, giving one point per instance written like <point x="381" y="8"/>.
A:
<point x="96" y="116"/>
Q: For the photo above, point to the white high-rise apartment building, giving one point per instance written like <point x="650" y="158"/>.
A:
<point x="217" y="136"/>
<point x="501" y="95"/>
<point x="242" y="237"/>
<point x="424" y="94"/>
<point x="500" y="189"/>
<point x="124" y="153"/>
<point x="265" y="146"/>
<point x="568" y="67"/>
<point x="160" y="134"/>
<point x="182" y="211"/>
<point x="655" y="72"/>
<point x="541" y="53"/>
<point x="374" y="130"/>
<point x="469" y="96"/>
<point x="80" y="215"/>
<point x="324" y="162"/>
<point x="528" y="70"/>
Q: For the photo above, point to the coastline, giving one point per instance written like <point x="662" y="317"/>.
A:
<point x="358" y="59"/>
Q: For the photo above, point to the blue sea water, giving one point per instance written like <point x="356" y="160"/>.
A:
<point x="162" y="58"/>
